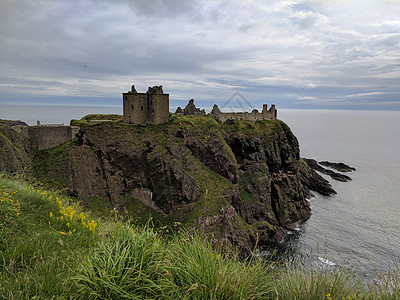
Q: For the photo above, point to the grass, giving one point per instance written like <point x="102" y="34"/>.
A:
<point x="102" y="117"/>
<point x="205" y="272"/>
<point x="213" y="185"/>
<point x="264" y="128"/>
<point x="303" y="283"/>
<point x="38" y="250"/>
<point x="309" y="284"/>
<point x="138" y="264"/>
<point x="132" y="212"/>
<point x="85" y="121"/>
<point x="51" y="167"/>
<point x="131" y="264"/>
<point x="51" y="249"/>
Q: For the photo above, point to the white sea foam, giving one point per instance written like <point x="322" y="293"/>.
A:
<point x="327" y="262"/>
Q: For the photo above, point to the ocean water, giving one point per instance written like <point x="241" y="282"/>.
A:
<point x="53" y="114"/>
<point x="360" y="226"/>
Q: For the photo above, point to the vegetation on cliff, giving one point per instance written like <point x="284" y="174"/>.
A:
<point x="93" y="118"/>
<point x="51" y="249"/>
<point x="242" y="181"/>
<point x="15" y="152"/>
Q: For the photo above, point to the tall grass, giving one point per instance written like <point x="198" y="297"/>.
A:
<point x="387" y="286"/>
<point x="51" y="249"/>
<point x="36" y="252"/>
<point x="201" y="271"/>
<point x="334" y="284"/>
<point x="309" y="284"/>
<point x="138" y="264"/>
<point x="132" y="264"/>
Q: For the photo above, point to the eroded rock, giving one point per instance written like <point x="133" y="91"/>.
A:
<point x="313" y="164"/>
<point x="341" y="167"/>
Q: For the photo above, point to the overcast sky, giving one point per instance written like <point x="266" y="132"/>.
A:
<point x="296" y="54"/>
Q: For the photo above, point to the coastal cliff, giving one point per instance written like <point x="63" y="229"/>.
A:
<point x="243" y="181"/>
<point x="15" y="152"/>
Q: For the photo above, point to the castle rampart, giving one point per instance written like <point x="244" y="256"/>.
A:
<point x="152" y="106"/>
<point x="265" y="114"/>
<point x="47" y="136"/>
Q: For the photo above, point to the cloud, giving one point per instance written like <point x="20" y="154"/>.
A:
<point x="365" y="94"/>
<point x="307" y="98"/>
<point x="280" y="50"/>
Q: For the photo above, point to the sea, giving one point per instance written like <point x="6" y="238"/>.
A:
<point x="359" y="227"/>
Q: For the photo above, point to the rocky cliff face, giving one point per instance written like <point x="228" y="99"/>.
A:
<point x="15" y="152"/>
<point x="243" y="181"/>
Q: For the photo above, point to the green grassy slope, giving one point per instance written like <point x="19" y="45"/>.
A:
<point x="51" y="249"/>
<point x="42" y="238"/>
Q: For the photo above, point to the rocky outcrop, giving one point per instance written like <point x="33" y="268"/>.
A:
<point x="313" y="164"/>
<point x="243" y="181"/>
<point x="15" y="152"/>
<point x="313" y="180"/>
<point x="341" y="167"/>
<point x="12" y="123"/>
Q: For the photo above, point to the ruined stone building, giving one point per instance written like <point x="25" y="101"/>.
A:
<point x="190" y="110"/>
<point x="152" y="106"/>
<point x="266" y="114"/>
<point x="48" y="135"/>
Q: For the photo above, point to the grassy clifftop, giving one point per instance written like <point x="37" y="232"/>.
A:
<point x="201" y="122"/>
<point x="51" y="249"/>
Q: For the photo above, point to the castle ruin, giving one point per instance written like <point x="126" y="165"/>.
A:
<point x="190" y="110"/>
<point x="152" y="106"/>
<point x="265" y="114"/>
<point x="48" y="135"/>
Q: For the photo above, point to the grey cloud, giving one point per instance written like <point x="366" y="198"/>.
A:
<point x="156" y="10"/>
<point x="308" y="22"/>
<point x="199" y="48"/>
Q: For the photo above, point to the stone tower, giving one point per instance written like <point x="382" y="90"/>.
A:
<point x="151" y="106"/>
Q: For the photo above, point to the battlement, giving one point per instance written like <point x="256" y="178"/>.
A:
<point x="152" y="106"/>
<point x="255" y="115"/>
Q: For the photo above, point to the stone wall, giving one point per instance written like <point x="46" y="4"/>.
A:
<point x="159" y="108"/>
<point x="135" y="108"/>
<point x="45" y="137"/>
<point x="265" y="114"/>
